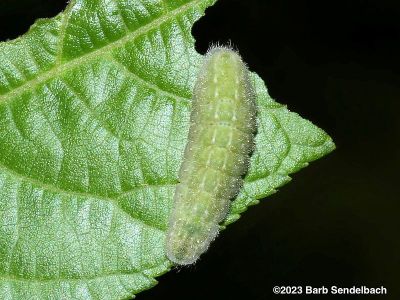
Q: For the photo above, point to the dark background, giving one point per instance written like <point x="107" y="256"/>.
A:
<point x="337" y="223"/>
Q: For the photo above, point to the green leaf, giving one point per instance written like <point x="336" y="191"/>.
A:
<point x="94" y="110"/>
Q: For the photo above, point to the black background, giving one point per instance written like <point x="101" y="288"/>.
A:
<point x="337" y="223"/>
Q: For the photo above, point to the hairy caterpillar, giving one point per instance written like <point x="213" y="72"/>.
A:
<point x="221" y="138"/>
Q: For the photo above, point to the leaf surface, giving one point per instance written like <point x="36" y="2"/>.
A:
<point x="94" y="115"/>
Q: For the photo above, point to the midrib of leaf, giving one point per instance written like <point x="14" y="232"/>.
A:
<point x="59" y="69"/>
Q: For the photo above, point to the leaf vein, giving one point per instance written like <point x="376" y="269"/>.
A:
<point x="151" y="85"/>
<point x="79" y="61"/>
<point x="58" y="190"/>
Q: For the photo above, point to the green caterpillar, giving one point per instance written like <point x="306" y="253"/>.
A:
<point x="221" y="138"/>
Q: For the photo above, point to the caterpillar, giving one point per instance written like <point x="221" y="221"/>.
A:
<point x="220" y="141"/>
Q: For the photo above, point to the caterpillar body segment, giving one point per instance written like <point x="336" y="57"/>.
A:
<point x="220" y="141"/>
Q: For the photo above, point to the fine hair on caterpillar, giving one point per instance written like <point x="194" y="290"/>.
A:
<point x="220" y="141"/>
